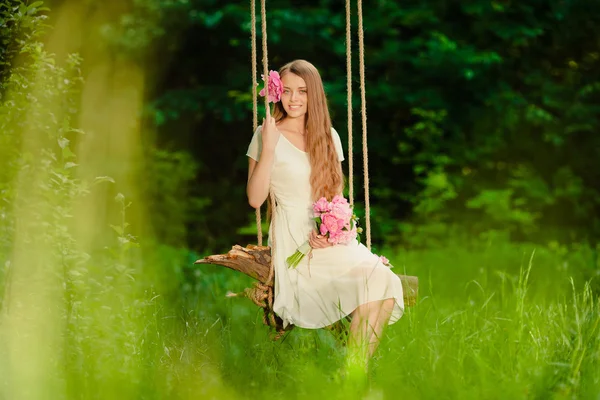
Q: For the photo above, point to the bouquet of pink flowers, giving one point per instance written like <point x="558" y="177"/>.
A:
<point x="335" y="220"/>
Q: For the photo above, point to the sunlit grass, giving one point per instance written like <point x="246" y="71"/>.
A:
<point x="507" y="338"/>
<point x="478" y="332"/>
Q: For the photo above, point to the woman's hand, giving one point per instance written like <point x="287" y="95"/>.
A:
<point x="317" y="241"/>
<point x="270" y="133"/>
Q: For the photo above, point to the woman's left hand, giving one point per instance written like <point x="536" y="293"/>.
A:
<point x="317" y="241"/>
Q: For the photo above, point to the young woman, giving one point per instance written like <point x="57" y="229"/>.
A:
<point x="297" y="154"/>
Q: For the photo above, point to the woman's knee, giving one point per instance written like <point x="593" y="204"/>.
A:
<point x="388" y="304"/>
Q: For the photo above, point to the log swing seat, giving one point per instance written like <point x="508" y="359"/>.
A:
<point x="255" y="260"/>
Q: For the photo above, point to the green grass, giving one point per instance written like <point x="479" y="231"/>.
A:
<point x="503" y="322"/>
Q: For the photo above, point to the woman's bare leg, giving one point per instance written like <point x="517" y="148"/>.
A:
<point x="383" y="317"/>
<point x="368" y="322"/>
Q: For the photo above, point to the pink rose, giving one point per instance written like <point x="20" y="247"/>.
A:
<point x="321" y="206"/>
<point x="339" y="200"/>
<point x="342" y="212"/>
<point x="351" y="235"/>
<point x="331" y="222"/>
<point x="323" y="229"/>
<point x="275" y="87"/>
<point x="335" y="239"/>
<point x="344" y="236"/>
<point x="384" y="260"/>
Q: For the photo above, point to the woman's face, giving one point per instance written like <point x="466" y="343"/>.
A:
<point x="294" y="98"/>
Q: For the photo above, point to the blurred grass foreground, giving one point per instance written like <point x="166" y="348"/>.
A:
<point x="95" y="305"/>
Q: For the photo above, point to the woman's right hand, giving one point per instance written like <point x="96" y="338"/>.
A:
<point x="270" y="133"/>
<point x="317" y="241"/>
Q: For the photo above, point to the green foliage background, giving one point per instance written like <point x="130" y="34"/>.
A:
<point x="481" y="115"/>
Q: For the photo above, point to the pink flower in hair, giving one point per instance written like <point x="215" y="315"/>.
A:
<point x="275" y="87"/>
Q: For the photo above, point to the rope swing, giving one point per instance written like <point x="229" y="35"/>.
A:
<point x="262" y="294"/>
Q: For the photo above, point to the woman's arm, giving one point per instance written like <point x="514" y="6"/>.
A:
<point x="259" y="178"/>
<point x="259" y="173"/>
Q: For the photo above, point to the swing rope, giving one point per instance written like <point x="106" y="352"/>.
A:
<point x="259" y="237"/>
<point x="262" y="293"/>
<point x="265" y="60"/>
<point x="349" y="101"/>
<point x="361" y="50"/>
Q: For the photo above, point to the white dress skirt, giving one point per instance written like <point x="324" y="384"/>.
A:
<point x="332" y="283"/>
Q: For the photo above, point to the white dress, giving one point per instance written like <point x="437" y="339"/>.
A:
<point x="339" y="278"/>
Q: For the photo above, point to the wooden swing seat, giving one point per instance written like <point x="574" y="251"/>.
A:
<point x="255" y="262"/>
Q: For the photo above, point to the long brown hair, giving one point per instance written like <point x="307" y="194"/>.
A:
<point x="326" y="177"/>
